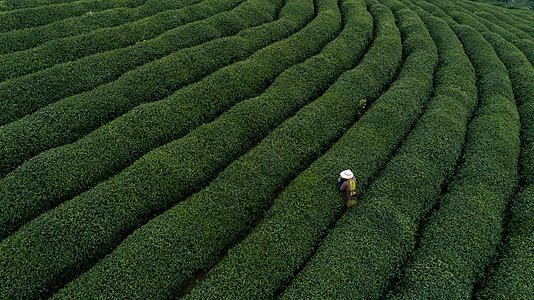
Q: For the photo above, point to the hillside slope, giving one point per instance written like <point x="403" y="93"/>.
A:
<point x="157" y="149"/>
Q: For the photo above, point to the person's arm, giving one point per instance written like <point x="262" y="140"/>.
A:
<point x="341" y="185"/>
<point x="339" y="182"/>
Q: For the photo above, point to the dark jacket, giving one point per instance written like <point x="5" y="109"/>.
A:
<point x="344" y="186"/>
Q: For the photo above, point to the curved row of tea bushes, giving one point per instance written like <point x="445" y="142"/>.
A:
<point x="61" y="173"/>
<point x="493" y="26"/>
<point x="34" y="263"/>
<point x="37" y="16"/>
<point x="518" y="67"/>
<point x="58" y="51"/>
<point x="484" y="22"/>
<point x="503" y="17"/>
<point x="521" y="75"/>
<point x="527" y="47"/>
<point x="210" y="221"/>
<point x="460" y="239"/>
<point x="451" y="7"/>
<point x="431" y="8"/>
<point x="496" y="25"/>
<point x="267" y="259"/>
<point x="461" y="15"/>
<point x="369" y="244"/>
<point x="71" y="118"/>
<point x="18" y="4"/>
<point x="503" y="20"/>
<point x="513" y="276"/>
<point x="23" y="39"/>
<point x="26" y="94"/>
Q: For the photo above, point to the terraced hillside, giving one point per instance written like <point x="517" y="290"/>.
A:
<point x="163" y="149"/>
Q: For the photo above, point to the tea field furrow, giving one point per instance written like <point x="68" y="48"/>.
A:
<point x="122" y="205"/>
<point x="58" y="51"/>
<point x="460" y="238"/>
<point x="23" y="39"/>
<point x="364" y="252"/>
<point x="61" y="173"/>
<point x="505" y="19"/>
<point x="275" y="160"/>
<point x="521" y="74"/>
<point x="73" y="117"/>
<point x="481" y="24"/>
<point x="29" y="200"/>
<point x="450" y="7"/>
<point x="158" y="149"/>
<point x="261" y="265"/>
<point x="496" y="18"/>
<point x="433" y="9"/>
<point x="493" y="26"/>
<point x="520" y="28"/>
<point x="527" y="47"/>
<point x="26" y="94"/>
<point x="18" y="4"/>
<point x="513" y="274"/>
<point x="37" y="16"/>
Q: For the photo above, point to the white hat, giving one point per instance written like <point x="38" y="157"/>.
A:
<point x="347" y="174"/>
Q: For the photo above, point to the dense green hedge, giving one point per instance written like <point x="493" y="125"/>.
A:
<point x="267" y="259"/>
<point x="17" y="4"/>
<point x="367" y="247"/>
<point x="467" y="19"/>
<point x="484" y="22"/>
<point x="71" y="118"/>
<point x="63" y="172"/>
<point x="37" y="16"/>
<point x="156" y="181"/>
<point x="20" y="63"/>
<point x="521" y="75"/>
<point x="274" y="161"/>
<point x="493" y="26"/>
<point x="502" y="17"/>
<point x="18" y="40"/>
<point x="449" y="7"/>
<point x="460" y="239"/>
<point x="22" y="39"/>
<point x="431" y="8"/>
<point x="527" y="47"/>
<point x="514" y="274"/>
<point x="28" y="93"/>
<point x="506" y="20"/>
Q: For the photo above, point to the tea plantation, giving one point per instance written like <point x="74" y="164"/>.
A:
<point x="165" y="149"/>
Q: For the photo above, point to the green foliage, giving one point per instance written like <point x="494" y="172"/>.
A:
<point x="156" y="181"/>
<point x="63" y="172"/>
<point x="460" y="238"/>
<point x="23" y="39"/>
<point x="37" y="16"/>
<point x="273" y="162"/>
<point x="504" y="19"/>
<point x="521" y="75"/>
<point x="16" y="64"/>
<point x="26" y="94"/>
<point x="512" y="278"/>
<point x="370" y="242"/>
<point x="138" y="144"/>
<point x="17" y="4"/>
<point x="71" y="118"/>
